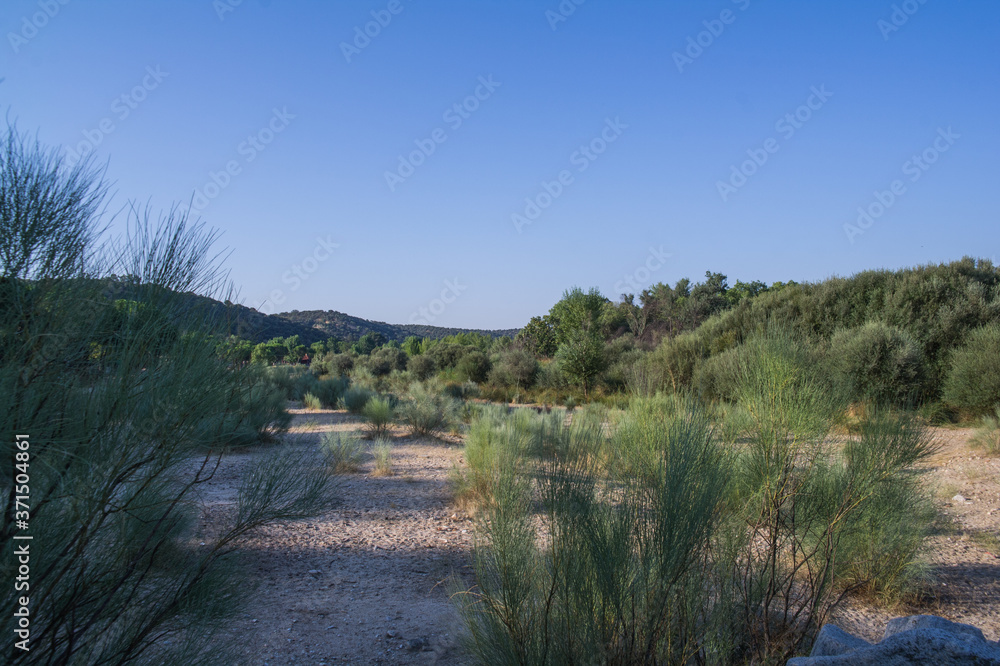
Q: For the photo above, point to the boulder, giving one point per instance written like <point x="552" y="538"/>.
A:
<point x="917" y="639"/>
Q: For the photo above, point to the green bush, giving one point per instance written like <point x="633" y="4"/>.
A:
<point x="663" y="546"/>
<point x="514" y="368"/>
<point x="344" y="453"/>
<point x="973" y="381"/>
<point x="118" y="415"/>
<point x="379" y="414"/>
<point x="311" y="402"/>
<point x="422" y="367"/>
<point x="676" y="358"/>
<point x="428" y="411"/>
<point x="355" y="399"/>
<point x="474" y="367"/>
<point x="329" y="391"/>
<point x="877" y="363"/>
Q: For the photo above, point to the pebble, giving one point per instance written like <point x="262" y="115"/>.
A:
<point x="958" y="498"/>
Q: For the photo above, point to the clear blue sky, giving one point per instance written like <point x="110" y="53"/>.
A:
<point x="680" y="116"/>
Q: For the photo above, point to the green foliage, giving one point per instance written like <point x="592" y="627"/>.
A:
<point x="368" y="343"/>
<point x="124" y="434"/>
<point x="577" y="310"/>
<point x="311" y="402"/>
<point x="538" y="337"/>
<point x="379" y="413"/>
<point x="412" y="345"/>
<point x="877" y="363"/>
<point x="428" y="410"/>
<point x="514" y="368"/>
<point x="329" y="391"/>
<point x="676" y="358"/>
<point x="344" y="452"/>
<point x="663" y="546"/>
<point x="421" y="367"/>
<point x="355" y="398"/>
<point x="582" y="358"/>
<point x="973" y="380"/>
<point x="383" y="361"/>
<point x="474" y="367"/>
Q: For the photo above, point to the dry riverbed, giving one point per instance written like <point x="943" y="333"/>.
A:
<point x="367" y="582"/>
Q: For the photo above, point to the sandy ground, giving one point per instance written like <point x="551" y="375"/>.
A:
<point x="368" y="581"/>
<point x="963" y="550"/>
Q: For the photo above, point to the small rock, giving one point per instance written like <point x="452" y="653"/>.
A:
<point x="415" y="645"/>
<point x="958" y="498"/>
<point x="391" y="634"/>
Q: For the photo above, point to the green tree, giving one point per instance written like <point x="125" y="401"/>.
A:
<point x="575" y="311"/>
<point x="538" y="337"/>
<point x="582" y="358"/>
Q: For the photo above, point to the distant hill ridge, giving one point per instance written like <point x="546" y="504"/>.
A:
<point x="330" y="323"/>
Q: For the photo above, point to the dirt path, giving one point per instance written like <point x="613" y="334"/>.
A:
<point x="367" y="582"/>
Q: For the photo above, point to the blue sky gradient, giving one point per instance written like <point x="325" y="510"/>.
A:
<point x="308" y="129"/>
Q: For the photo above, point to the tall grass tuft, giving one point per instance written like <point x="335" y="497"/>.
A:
<point x="382" y="452"/>
<point x="379" y="414"/>
<point x="344" y="453"/>
<point x="987" y="435"/>
<point x="311" y="402"/>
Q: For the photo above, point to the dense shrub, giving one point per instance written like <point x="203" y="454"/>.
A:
<point x="329" y="391"/>
<point x="421" y="367"/>
<point x="676" y="358"/>
<point x="973" y="380"/>
<point x="514" y="368"/>
<point x="428" y="410"/>
<point x="877" y="363"/>
<point x="662" y="546"/>
<point x="474" y="367"/>
<point x="383" y="361"/>
<point x="355" y="399"/>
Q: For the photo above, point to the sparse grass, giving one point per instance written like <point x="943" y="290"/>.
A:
<point x="987" y="436"/>
<point x="311" y="402"/>
<point x="382" y="450"/>
<point x="986" y="539"/>
<point x="344" y="453"/>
